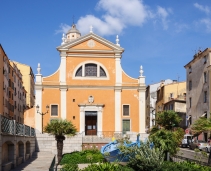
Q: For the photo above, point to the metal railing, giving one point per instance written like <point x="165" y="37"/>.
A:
<point x="53" y="164"/>
<point x="12" y="127"/>
<point x="101" y="136"/>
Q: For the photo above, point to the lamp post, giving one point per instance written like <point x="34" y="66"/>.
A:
<point x="47" y="108"/>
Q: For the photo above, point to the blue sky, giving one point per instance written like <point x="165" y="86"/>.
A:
<point x="161" y="35"/>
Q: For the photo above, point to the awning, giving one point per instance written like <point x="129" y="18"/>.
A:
<point x="203" y="115"/>
<point x="189" y="117"/>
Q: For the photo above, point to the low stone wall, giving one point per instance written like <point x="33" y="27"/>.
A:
<point x="191" y="154"/>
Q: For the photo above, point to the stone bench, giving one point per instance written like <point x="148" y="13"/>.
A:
<point x="19" y="160"/>
<point x="7" y="166"/>
<point x="27" y="156"/>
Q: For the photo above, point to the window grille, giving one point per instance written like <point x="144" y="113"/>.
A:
<point x="102" y="72"/>
<point x="54" y="110"/>
<point x="79" y="72"/>
<point x="125" y="110"/>
<point x="91" y="70"/>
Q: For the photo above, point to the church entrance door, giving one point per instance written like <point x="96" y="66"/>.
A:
<point x="90" y="122"/>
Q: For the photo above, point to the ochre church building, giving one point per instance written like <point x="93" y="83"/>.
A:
<point x="90" y="88"/>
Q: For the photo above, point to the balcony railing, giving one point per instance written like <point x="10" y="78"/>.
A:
<point x="12" y="127"/>
<point x="101" y="136"/>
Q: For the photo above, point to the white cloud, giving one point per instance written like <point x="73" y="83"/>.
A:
<point x="163" y="14"/>
<point x="202" y="8"/>
<point x="118" y="15"/>
<point x="63" y="28"/>
<point x="207" y="23"/>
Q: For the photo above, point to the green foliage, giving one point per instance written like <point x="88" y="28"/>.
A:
<point x="169" y="136"/>
<point x="183" y="166"/>
<point x="201" y="125"/>
<point x="60" y="128"/>
<point x="168" y="119"/>
<point x="70" y="167"/>
<point x="85" y="156"/>
<point x="143" y="157"/>
<point x="167" y="140"/>
<point x="107" y="167"/>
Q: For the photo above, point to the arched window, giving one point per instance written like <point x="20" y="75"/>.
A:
<point x="79" y="72"/>
<point x="102" y="72"/>
<point x="90" y="70"/>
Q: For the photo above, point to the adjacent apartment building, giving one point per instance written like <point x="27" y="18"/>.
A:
<point x="13" y="101"/>
<point x="198" y="86"/>
<point x="90" y="87"/>
<point x="28" y="82"/>
<point x="172" y="97"/>
<point x="151" y="98"/>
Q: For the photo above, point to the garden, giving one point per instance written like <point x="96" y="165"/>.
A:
<point x="166" y="137"/>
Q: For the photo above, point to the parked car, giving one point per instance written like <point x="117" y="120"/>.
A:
<point x="207" y="148"/>
<point x="186" y="140"/>
<point x="199" y="144"/>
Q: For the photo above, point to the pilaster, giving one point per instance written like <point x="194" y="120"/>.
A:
<point x="62" y="76"/>
<point x="63" y="93"/>
<point x="118" y="69"/>
<point x="118" y="109"/>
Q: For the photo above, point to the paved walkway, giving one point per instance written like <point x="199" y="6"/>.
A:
<point x="40" y="161"/>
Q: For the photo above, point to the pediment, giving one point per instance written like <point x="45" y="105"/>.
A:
<point x="90" y="42"/>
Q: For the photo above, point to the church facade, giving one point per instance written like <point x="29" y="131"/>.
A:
<point x="90" y="87"/>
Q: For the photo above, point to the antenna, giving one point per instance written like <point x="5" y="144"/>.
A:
<point x="73" y="19"/>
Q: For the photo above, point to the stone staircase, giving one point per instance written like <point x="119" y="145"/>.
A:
<point x="40" y="161"/>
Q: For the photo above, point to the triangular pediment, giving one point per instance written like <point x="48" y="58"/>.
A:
<point x="90" y="42"/>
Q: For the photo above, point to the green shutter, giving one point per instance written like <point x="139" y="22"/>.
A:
<point x="125" y="126"/>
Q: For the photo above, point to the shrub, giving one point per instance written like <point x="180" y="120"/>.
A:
<point x="107" y="167"/>
<point x="70" y="167"/>
<point x="85" y="156"/>
<point x="143" y="157"/>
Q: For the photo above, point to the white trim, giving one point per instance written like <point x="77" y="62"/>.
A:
<point x="38" y="117"/>
<point x="51" y="74"/>
<point x="130" y="76"/>
<point x="123" y="110"/>
<point x="83" y="71"/>
<point x="142" y="110"/>
<point x="63" y="103"/>
<point x="118" y="70"/>
<point x="92" y="55"/>
<point x="93" y="107"/>
<point x="62" y="73"/>
<point x="117" y="110"/>
<point x="57" y="110"/>
<point x="90" y="36"/>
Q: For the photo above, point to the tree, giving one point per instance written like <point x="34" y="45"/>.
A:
<point x="167" y="135"/>
<point x="168" y="119"/>
<point x="201" y="125"/>
<point x="60" y="128"/>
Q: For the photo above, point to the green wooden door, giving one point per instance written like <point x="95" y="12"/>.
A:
<point x="125" y="125"/>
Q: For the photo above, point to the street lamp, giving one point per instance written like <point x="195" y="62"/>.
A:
<point x="47" y="108"/>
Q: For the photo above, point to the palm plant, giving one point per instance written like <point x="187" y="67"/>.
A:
<point x="60" y="128"/>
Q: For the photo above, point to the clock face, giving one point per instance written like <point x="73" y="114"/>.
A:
<point x="91" y="43"/>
